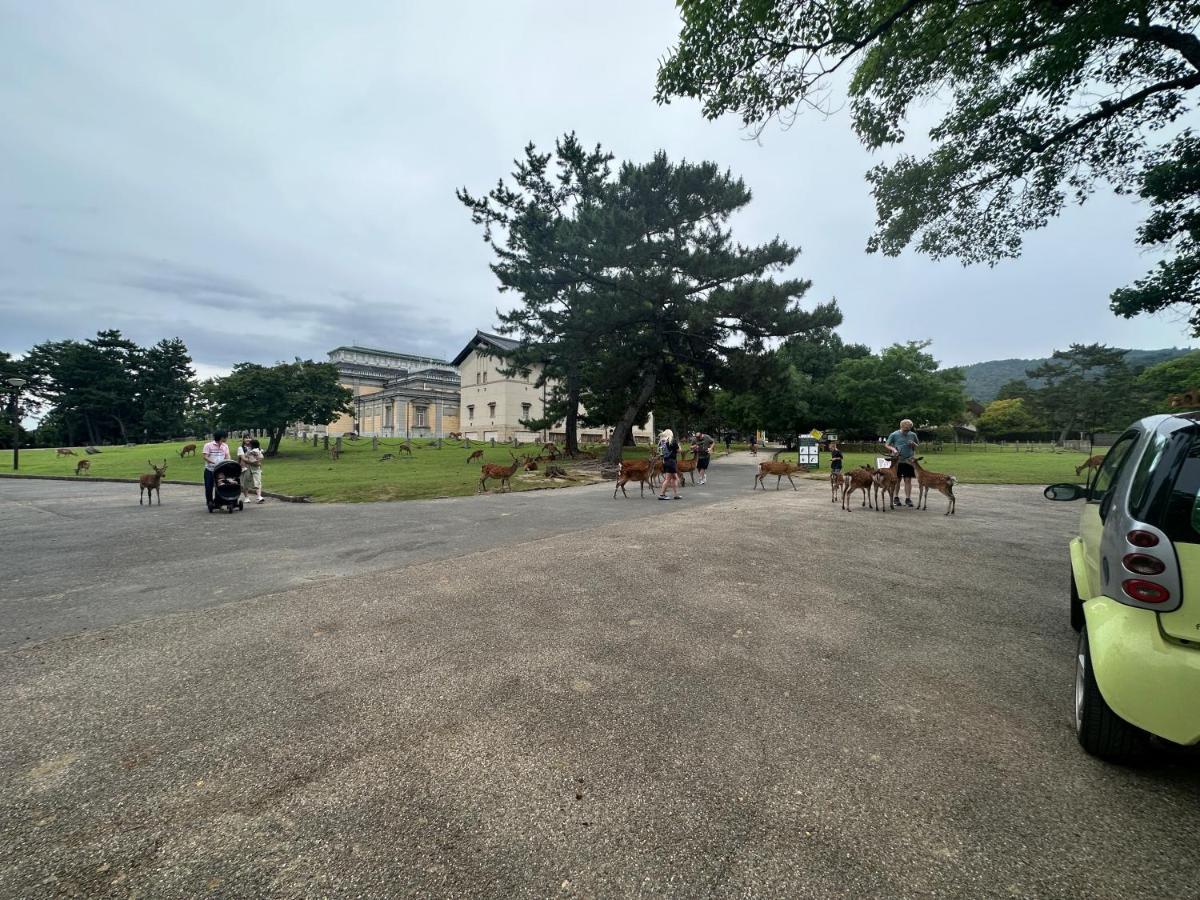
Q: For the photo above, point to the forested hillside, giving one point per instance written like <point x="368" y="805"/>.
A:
<point x="983" y="380"/>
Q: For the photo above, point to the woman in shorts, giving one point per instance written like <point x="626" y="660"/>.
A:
<point x="668" y="449"/>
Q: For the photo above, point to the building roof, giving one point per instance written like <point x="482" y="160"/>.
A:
<point x="491" y="341"/>
<point x="391" y="354"/>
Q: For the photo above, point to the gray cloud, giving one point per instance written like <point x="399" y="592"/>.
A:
<point x="268" y="189"/>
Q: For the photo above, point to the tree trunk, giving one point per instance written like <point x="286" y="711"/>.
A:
<point x="572" y="419"/>
<point x="276" y="435"/>
<point x="624" y="428"/>
<point x="121" y="425"/>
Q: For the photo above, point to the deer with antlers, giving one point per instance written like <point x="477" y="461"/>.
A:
<point x="1092" y="462"/>
<point x="148" y="483"/>
<point x="491" y="470"/>
<point x="943" y="484"/>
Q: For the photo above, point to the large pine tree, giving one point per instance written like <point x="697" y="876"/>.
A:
<point x="635" y="275"/>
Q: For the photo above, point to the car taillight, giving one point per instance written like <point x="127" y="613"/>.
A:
<point x="1143" y="564"/>
<point x="1142" y="538"/>
<point x="1145" y="591"/>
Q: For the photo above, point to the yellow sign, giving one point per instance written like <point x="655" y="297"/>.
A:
<point x="815" y="435"/>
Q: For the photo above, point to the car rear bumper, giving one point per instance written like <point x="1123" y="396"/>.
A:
<point x="1149" y="680"/>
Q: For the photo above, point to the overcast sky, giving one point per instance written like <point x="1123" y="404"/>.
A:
<point x="273" y="180"/>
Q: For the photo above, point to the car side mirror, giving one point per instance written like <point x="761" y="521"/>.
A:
<point x="1065" y="492"/>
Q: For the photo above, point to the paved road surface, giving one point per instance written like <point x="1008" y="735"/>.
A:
<point x="745" y="696"/>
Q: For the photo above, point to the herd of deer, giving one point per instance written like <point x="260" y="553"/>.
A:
<point x="880" y="487"/>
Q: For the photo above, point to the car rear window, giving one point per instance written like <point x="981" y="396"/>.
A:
<point x="1180" y="517"/>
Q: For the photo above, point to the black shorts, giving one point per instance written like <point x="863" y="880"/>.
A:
<point x="702" y="462"/>
<point x="904" y="470"/>
<point x="669" y="466"/>
<point x="836" y="467"/>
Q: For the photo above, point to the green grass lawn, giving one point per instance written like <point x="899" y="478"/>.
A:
<point x="359" y="476"/>
<point x="303" y="470"/>
<point x="994" y="466"/>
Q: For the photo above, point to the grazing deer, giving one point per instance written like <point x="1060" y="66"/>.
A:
<point x="860" y="479"/>
<point x="779" y="469"/>
<point x="490" y="470"/>
<point x="334" y="453"/>
<point x="148" y="483"/>
<point x="405" y="447"/>
<point x="478" y="454"/>
<point x="943" y="484"/>
<point x="1092" y="462"/>
<point x="84" y="465"/>
<point x="454" y="436"/>
<point x="64" y="451"/>
<point x="188" y="450"/>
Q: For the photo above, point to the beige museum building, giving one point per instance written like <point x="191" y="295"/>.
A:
<point x="404" y="395"/>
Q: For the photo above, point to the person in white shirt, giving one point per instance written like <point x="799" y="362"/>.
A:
<point x="251" y="459"/>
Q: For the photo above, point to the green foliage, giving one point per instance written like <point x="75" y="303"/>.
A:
<point x="274" y="397"/>
<point x="1085" y="388"/>
<point x="1171" y="183"/>
<point x="874" y="393"/>
<point x="1157" y="383"/>
<point x="164" y="388"/>
<point x="637" y="273"/>
<point x="1008" y="417"/>
<point x="1044" y="99"/>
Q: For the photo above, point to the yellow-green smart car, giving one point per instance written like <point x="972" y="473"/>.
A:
<point x="1135" y="590"/>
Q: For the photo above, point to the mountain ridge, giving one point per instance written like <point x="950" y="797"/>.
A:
<point x="983" y="380"/>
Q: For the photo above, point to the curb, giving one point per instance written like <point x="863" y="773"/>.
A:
<point x="286" y="498"/>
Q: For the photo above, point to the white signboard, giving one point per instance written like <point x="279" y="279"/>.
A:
<point x="882" y="462"/>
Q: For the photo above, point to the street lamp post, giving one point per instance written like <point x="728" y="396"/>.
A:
<point x="16" y="384"/>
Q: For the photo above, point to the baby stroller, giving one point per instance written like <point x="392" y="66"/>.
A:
<point x="227" y="486"/>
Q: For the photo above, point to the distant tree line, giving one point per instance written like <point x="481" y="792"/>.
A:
<point x="109" y="390"/>
<point x="1085" y="389"/>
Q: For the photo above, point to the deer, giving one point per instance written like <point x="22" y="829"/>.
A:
<point x="490" y="470"/>
<point x="334" y="453"/>
<point x="943" y="484"/>
<point x="405" y="447"/>
<point x="188" y="450"/>
<point x="860" y="479"/>
<point x="478" y="454"/>
<point x="1092" y="462"/>
<point x="454" y="436"/>
<point x="530" y="463"/>
<point x="779" y="469"/>
<point x="684" y="466"/>
<point x="84" y="465"/>
<point x="887" y="484"/>
<point x="64" y="451"/>
<point x="638" y="470"/>
<point x="148" y="483"/>
<point x="836" y="482"/>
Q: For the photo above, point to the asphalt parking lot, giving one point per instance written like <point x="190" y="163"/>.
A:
<point x="753" y="695"/>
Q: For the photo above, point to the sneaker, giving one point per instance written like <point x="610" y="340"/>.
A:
<point x="702" y="481"/>
<point x="676" y="497"/>
<point x="262" y="499"/>
<point x="908" y="502"/>
<point x="663" y="497"/>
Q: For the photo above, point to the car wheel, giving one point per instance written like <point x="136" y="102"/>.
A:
<point x="1077" y="617"/>
<point x="1101" y="731"/>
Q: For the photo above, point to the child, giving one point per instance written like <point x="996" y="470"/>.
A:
<point x="252" y="470"/>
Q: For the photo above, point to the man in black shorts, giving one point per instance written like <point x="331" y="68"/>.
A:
<point x="903" y="444"/>
<point x="702" y="446"/>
